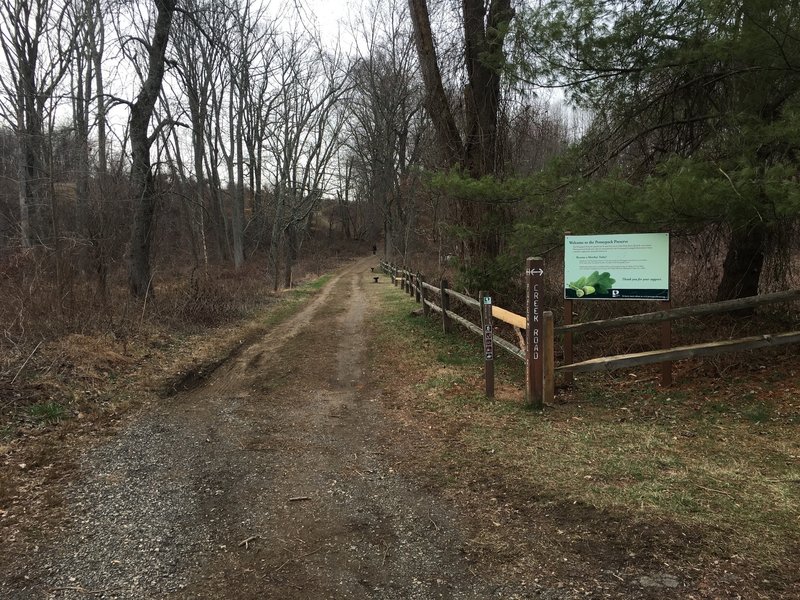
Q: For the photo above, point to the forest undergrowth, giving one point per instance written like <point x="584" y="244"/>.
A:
<point x="70" y="342"/>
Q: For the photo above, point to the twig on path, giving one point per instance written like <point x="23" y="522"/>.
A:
<point x="434" y="523"/>
<point x="288" y="560"/>
<point x="82" y="590"/>
<point x="702" y="487"/>
<point x="26" y="362"/>
<point x="247" y="541"/>
<point x="385" y="553"/>
<point x="299" y="498"/>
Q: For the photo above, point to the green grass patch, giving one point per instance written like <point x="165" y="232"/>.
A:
<point x="292" y="299"/>
<point x="315" y="285"/>
<point x="758" y="412"/>
<point x="47" y="412"/>
<point x="715" y="459"/>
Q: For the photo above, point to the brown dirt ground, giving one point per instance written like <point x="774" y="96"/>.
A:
<point x="298" y="470"/>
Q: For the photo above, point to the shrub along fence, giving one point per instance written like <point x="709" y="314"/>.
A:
<point x="538" y="348"/>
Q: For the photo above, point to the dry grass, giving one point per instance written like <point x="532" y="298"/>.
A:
<point x="73" y="348"/>
<point x="76" y="390"/>
<point x="718" y="458"/>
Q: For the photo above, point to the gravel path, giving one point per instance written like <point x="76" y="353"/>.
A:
<point x="270" y="481"/>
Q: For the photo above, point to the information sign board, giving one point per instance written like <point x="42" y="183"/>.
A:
<point x="617" y="267"/>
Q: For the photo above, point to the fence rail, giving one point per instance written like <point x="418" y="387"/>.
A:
<point x="682" y="313"/>
<point x="415" y="285"/>
<point x="416" y="282"/>
<point x="682" y="352"/>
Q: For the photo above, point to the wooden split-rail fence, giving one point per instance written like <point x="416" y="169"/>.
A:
<point x="537" y="349"/>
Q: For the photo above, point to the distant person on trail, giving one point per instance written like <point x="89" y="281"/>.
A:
<point x="374" y="249"/>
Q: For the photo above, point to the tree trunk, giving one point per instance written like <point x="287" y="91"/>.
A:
<point x="97" y="47"/>
<point x="744" y="261"/>
<point x="237" y="204"/>
<point x="436" y="103"/>
<point x="219" y="221"/>
<point x="83" y="89"/>
<point x="198" y="150"/>
<point x="142" y="182"/>
<point x="484" y="27"/>
<point x="276" y="239"/>
<point x="238" y="197"/>
<point x="22" y="178"/>
<point x="292" y="252"/>
<point x="484" y="58"/>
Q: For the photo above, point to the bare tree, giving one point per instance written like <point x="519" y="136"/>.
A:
<point x="386" y="122"/>
<point x="249" y="69"/>
<point x="476" y="149"/>
<point x="37" y="45"/>
<point x="143" y="186"/>
<point x="305" y="136"/>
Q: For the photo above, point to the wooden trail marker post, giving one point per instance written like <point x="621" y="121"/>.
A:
<point x="425" y="308"/>
<point x="534" y="371"/>
<point x="445" y="300"/>
<point x="488" y="342"/>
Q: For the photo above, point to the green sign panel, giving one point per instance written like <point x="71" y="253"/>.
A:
<point x="617" y="267"/>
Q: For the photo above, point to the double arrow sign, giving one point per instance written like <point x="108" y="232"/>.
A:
<point x="538" y="271"/>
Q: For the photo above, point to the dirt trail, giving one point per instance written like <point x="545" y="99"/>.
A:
<point x="272" y="480"/>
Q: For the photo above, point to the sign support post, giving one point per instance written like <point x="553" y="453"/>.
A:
<point x="488" y="342"/>
<point x="534" y="294"/>
<point x="569" y="376"/>
<point x="666" y="344"/>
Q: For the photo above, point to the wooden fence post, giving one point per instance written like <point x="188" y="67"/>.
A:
<point x="569" y="357"/>
<point x="534" y="291"/>
<point x="417" y="290"/>
<point x="445" y="302"/>
<point x="425" y="308"/>
<point x="666" y="344"/>
<point x="485" y="299"/>
<point x="548" y="348"/>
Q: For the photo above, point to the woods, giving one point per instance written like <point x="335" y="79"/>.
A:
<point x="209" y="388"/>
<point x="214" y="133"/>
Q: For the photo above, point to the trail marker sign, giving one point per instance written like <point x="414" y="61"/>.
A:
<point x="534" y="369"/>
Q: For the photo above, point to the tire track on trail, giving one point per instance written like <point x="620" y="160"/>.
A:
<point x="271" y="480"/>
